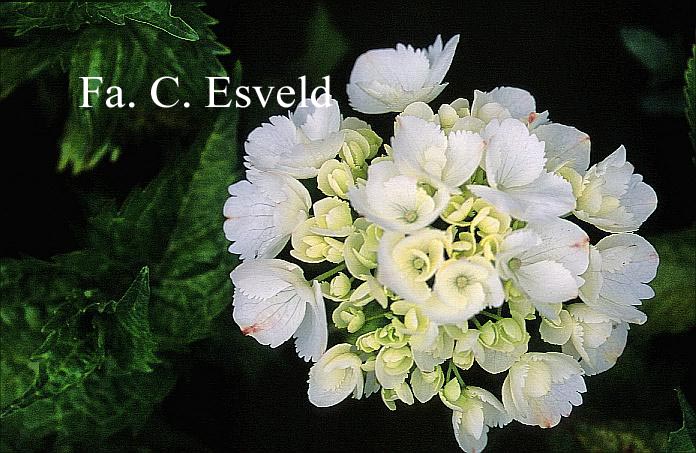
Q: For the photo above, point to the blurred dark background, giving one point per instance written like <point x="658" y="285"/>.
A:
<point x="569" y="55"/>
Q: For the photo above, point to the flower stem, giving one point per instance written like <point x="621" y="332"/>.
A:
<point x="459" y="376"/>
<point x="330" y="272"/>
<point x="372" y="318"/>
<point x="491" y="315"/>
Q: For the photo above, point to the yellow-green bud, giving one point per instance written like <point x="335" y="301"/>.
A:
<point x="458" y="209"/>
<point x="362" y="295"/>
<point x="574" y="178"/>
<point x="492" y="110"/>
<point x="359" y="146"/>
<point x="391" y="335"/>
<point x="420" y="110"/>
<point x="340" y="285"/>
<point x="392" y="366"/>
<point x="452" y="390"/>
<point x="488" y="335"/>
<point x="332" y="218"/>
<point x="426" y="384"/>
<point x="368" y="342"/>
<point x="461" y="106"/>
<point x="313" y="248"/>
<point x="465" y="244"/>
<point x="361" y="248"/>
<point x="335" y="179"/>
<point x="400" y="392"/>
<point x="448" y="116"/>
<point x="510" y="330"/>
<point x="488" y="220"/>
<point x="348" y="316"/>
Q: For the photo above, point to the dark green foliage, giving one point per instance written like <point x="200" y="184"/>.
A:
<point x="673" y="309"/>
<point x="129" y="45"/>
<point x="690" y="95"/>
<point x="684" y="440"/>
<point x="663" y="58"/>
<point x="86" y="350"/>
<point x="325" y="47"/>
<point x="196" y="263"/>
<point x="26" y="16"/>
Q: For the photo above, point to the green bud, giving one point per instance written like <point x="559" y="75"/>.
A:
<point x="332" y="218"/>
<point x="488" y="335"/>
<point x="348" y="316"/>
<point x="310" y="247"/>
<point x="391" y="335"/>
<point x="340" y="285"/>
<point x="448" y="116"/>
<point x="510" y="330"/>
<point x="458" y="209"/>
<point x="368" y="343"/>
<point x="360" y="248"/>
<point x="335" y="179"/>
<point x="452" y="390"/>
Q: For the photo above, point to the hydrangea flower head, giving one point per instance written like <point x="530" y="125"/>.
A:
<point x="438" y="254"/>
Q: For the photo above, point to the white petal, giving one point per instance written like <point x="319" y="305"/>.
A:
<point x="561" y="241"/>
<point x="557" y="333"/>
<point x="547" y="282"/>
<point x="419" y="148"/>
<point x="441" y="59"/>
<point x="564" y="146"/>
<point x="395" y="201"/>
<point x="263" y="212"/>
<point x="593" y="280"/>
<point x="628" y="263"/>
<point x="388" y="80"/>
<point x="520" y="103"/>
<point x="465" y="440"/>
<point x="270" y="299"/>
<point x="548" y="196"/>
<point x="312" y="334"/>
<point x="495" y="361"/>
<point x="513" y="156"/>
<point x="318" y="122"/>
<point x="335" y="376"/>
<point x="463" y="157"/>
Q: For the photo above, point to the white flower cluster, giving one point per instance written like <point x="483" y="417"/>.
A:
<point x="446" y="247"/>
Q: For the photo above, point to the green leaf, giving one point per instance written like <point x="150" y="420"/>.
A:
<point x="194" y="285"/>
<point x="661" y="57"/>
<point x="26" y="16"/>
<point x="690" y="96"/>
<point x="89" y="131"/>
<point x="129" y="56"/>
<point x="325" y="47"/>
<point x="683" y="440"/>
<point x="618" y="436"/>
<point x="131" y="341"/>
<point x="21" y="64"/>
<point x="78" y="340"/>
<point x="673" y="309"/>
<point x="157" y="13"/>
